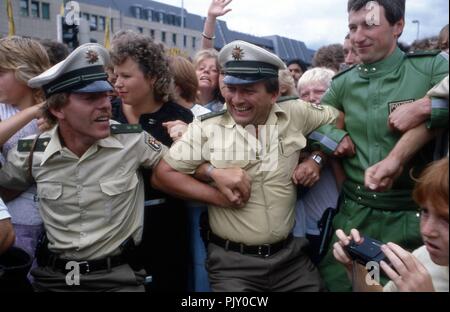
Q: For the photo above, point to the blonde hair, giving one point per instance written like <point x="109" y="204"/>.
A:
<point x="287" y="81"/>
<point x="184" y="76"/>
<point x="318" y="74"/>
<point x="26" y="57"/>
<point x="202" y="55"/>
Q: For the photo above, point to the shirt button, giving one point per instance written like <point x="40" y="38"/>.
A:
<point x="358" y="188"/>
<point x="359" y="198"/>
<point x="374" y="196"/>
<point x="374" y="69"/>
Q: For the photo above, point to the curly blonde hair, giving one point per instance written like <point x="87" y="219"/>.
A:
<point x="27" y="58"/>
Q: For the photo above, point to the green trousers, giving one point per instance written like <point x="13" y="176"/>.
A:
<point x="397" y="226"/>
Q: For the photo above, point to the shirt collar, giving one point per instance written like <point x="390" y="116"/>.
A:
<point x="55" y="146"/>
<point x="382" y="67"/>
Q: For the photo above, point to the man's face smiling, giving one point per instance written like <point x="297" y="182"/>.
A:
<point x="250" y="104"/>
<point x="376" y="42"/>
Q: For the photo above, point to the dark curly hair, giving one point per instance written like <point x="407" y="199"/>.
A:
<point x="150" y="57"/>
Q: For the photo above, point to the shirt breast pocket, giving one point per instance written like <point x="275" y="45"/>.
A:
<point x="50" y="191"/>
<point x="119" y="185"/>
<point x="224" y="158"/>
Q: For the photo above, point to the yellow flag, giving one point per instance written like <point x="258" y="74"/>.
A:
<point x="10" y="13"/>
<point x="108" y="33"/>
<point x="61" y="9"/>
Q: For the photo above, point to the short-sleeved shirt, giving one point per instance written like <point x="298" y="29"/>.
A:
<point x="89" y="205"/>
<point x="270" y="161"/>
<point x="3" y="211"/>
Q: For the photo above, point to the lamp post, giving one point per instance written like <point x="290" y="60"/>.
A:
<point x="418" y="28"/>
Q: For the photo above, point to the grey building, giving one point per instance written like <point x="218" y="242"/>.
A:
<point x="180" y="31"/>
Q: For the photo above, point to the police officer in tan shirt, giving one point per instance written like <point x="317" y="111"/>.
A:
<point x="250" y="248"/>
<point x="86" y="169"/>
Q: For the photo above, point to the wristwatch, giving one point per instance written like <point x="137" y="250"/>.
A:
<point x="318" y="159"/>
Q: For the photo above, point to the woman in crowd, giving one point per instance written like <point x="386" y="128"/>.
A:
<point x="20" y="60"/>
<point x="144" y="85"/>
<point x="426" y="269"/>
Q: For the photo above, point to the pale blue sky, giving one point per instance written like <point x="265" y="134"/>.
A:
<point x="316" y="22"/>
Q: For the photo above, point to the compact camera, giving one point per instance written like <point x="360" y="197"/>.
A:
<point x="369" y="250"/>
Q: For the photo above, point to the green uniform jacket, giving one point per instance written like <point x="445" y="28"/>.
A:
<point x="367" y="94"/>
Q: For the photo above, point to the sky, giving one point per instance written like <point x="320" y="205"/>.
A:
<point x="317" y="22"/>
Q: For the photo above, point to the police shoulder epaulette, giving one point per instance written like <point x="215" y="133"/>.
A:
<point x="423" y="53"/>
<point x="27" y="144"/>
<point x="282" y="99"/>
<point x="125" y="128"/>
<point x="344" y="71"/>
<point x="212" y="114"/>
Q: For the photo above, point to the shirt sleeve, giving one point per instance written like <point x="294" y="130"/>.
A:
<point x="439" y="94"/>
<point x="186" y="154"/>
<point x="14" y="175"/>
<point x="150" y="151"/>
<point x="3" y="211"/>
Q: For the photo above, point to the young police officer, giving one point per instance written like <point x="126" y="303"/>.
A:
<point x="86" y="170"/>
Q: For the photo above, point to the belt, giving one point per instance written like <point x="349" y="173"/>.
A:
<point x="265" y="250"/>
<point x="85" y="267"/>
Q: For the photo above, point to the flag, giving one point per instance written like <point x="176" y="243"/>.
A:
<point x="10" y="13"/>
<point x="107" y="40"/>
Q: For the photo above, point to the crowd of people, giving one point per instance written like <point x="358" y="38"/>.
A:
<point x="131" y="170"/>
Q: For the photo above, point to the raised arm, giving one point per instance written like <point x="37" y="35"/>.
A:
<point x="216" y="9"/>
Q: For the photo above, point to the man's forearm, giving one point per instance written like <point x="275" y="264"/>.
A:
<point x="7" y="236"/>
<point x="412" y="141"/>
<point x="168" y="180"/>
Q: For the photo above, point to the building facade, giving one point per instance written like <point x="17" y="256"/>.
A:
<point x="177" y="29"/>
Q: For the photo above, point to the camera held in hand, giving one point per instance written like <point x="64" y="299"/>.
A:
<point x="367" y="251"/>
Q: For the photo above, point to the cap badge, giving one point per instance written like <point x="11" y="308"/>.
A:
<point x="237" y="54"/>
<point x="92" y="56"/>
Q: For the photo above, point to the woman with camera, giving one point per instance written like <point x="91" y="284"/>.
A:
<point x="424" y="270"/>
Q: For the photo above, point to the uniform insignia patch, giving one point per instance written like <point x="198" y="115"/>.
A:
<point x="153" y="143"/>
<point x="27" y="145"/>
<point x="394" y="105"/>
<point x="237" y="54"/>
<point x="212" y="114"/>
<point x="92" y="56"/>
<point x="125" y="128"/>
<point x="317" y="106"/>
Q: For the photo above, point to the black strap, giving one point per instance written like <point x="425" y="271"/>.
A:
<point x="30" y="157"/>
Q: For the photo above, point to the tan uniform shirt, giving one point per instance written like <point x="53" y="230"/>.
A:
<point x="440" y="90"/>
<point x="270" y="161"/>
<point x="89" y="205"/>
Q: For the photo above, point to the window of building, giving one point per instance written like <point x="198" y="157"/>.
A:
<point x="137" y="12"/>
<point x="185" y="41"/>
<point x="140" y="30"/>
<point x="163" y="36"/>
<point x="152" y="33"/>
<point x="85" y="16"/>
<point x="155" y="16"/>
<point x="194" y="43"/>
<point x="149" y="14"/>
<point x="174" y="39"/>
<point x="24" y="8"/>
<point x="45" y="10"/>
<point x="101" y="23"/>
<point x="35" y="9"/>
<point x="93" y="22"/>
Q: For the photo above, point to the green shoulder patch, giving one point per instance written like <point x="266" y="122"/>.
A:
<point x="423" y="53"/>
<point x="26" y="145"/>
<point x="282" y="99"/>
<point x="125" y="128"/>
<point x="212" y="114"/>
<point x="344" y="71"/>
